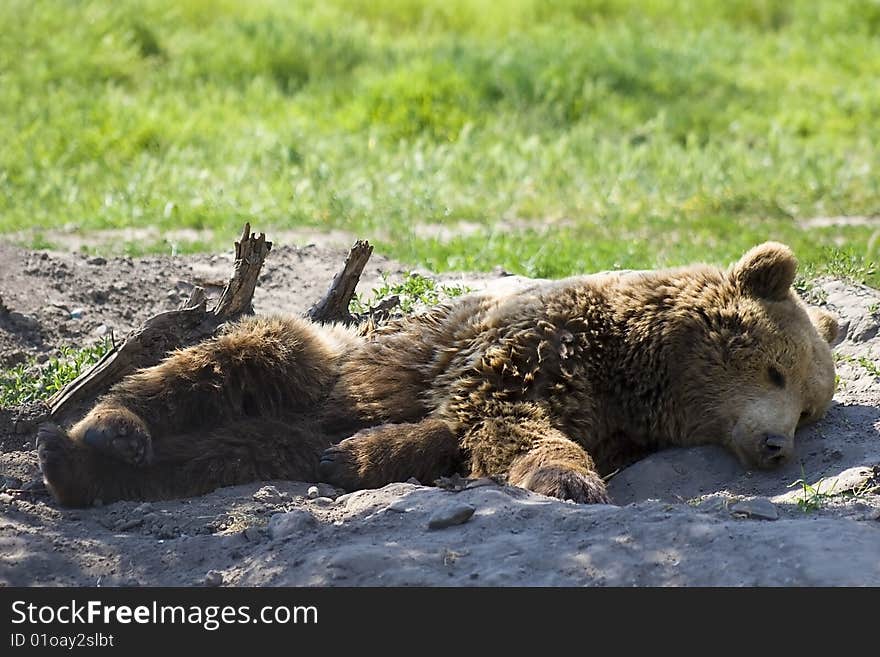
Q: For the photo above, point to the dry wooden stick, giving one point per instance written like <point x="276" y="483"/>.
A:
<point x="333" y="307"/>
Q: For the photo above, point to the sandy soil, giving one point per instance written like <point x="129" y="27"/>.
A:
<point x="682" y="517"/>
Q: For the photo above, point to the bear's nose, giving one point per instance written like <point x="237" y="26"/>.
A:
<point x="775" y="447"/>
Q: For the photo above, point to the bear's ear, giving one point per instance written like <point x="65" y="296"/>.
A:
<point x="766" y="271"/>
<point x="825" y="323"/>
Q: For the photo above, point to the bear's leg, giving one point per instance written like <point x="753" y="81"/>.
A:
<point x="261" y="368"/>
<point x="380" y="455"/>
<point x="239" y="452"/>
<point x="535" y="455"/>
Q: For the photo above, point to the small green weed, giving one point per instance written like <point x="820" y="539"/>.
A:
<point x="33" y="381"/>
<point x="812" y="496"/>
<point x="870" y="366"/>
<point x="414" y="291"/>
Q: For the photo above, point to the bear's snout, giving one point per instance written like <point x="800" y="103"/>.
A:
<point x="774" y="450"/>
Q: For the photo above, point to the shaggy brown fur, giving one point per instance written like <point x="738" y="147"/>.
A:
<point x="554" y="385"/>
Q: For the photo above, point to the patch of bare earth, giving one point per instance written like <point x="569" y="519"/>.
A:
<point x="682" y="517"/>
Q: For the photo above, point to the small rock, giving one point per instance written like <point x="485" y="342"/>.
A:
<point x="9" y="482"/>
<point x="414" y="481"/>
<point x="52" y="309"/>
<point x="455" y="483"/>
<point x="313" y="492"/>
<point x="282" y="525"/>
<point x="77" y="313"/>
<point x="146" y="507"/>
<point x="5" y="498"/>
<point x="482" y="481"/>
<point x="101" y="330"/>
<point x="324" y="501"/>
<point x="450" y="515"/>
<point x="268" y="495"/>
<point x="398" y="506"/>
<point x="213" y="578"/>
<point x="97" y="261"/>
<point x="757" y="507"/>
<point x="124" y="525"/>
<point x="713" y="504"/>
<point x="252" y="534"/>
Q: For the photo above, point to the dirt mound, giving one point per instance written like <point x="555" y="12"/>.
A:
<point x="687" y="516"/>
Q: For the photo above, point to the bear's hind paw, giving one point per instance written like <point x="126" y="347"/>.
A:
<point x="61" y="465"/>
<point x="119" y="435"/>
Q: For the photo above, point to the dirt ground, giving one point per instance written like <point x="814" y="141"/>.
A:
<point x="681" y="517"/>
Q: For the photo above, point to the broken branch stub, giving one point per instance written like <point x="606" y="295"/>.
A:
<point x="170" y="330"/>
<point x="333" y="307"/>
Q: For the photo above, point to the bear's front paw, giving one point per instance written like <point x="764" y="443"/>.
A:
<point x="566" y="484"/>
<point x="120" y="434"/>
<point x="338" y="466"/>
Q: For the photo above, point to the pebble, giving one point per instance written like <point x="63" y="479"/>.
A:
<point x="76" y="313"/>
<point x="313" y="492"/>
<point x="324" y="501"/>
<point x="124" y="525"/>
<point x="268" y="495"/>
<point x="252" y="534"/>
<point x="5" y="498"/>
<point x="482" y="481"/>
<point x="282" y="525"/>
<point x="398" y="506"/>
<point x="757" y="507"/>
<point x="146" y="507"/>
<point x="713" y="504"/>
<point x="101" y="330"/>
<point x="9" y="482"/>
<point x="450" y="515"/>
<point x="97" y="261"/>
<point x="213" y="578"/>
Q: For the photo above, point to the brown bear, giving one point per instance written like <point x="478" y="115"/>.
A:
<point x="553" y="385"/>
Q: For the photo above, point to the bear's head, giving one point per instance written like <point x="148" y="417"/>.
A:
<point x="760" y="361"/>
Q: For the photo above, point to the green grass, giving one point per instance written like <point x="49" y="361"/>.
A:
<point x="871" y="366"/>
<point x="577" y="134"/>
<point x="414" y="292"/>
<point x="33" y="381"/>
<point x="812" y="497"/>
